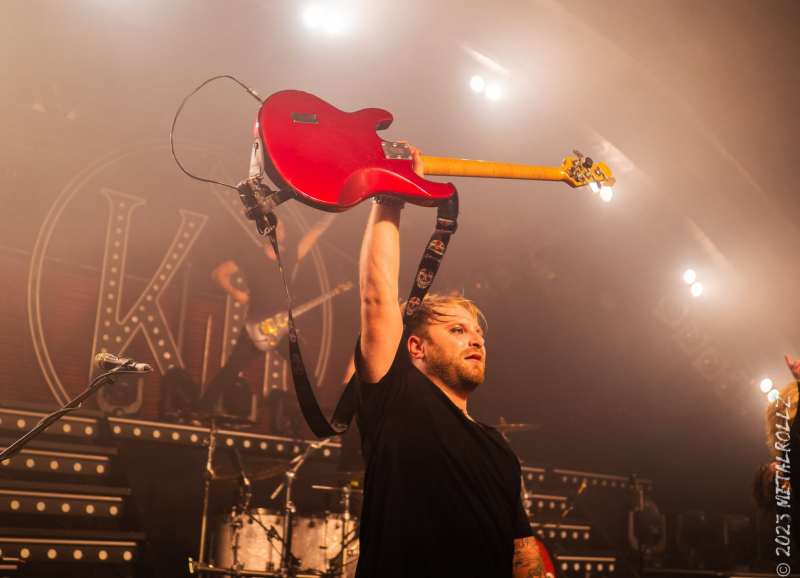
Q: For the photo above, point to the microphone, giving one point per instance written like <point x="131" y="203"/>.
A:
<point x="108" y="361"/>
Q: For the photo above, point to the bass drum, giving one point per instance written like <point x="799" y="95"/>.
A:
<point x="318" y="541"/>
<point x="255" y="550"/>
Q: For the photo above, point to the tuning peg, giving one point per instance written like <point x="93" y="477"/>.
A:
<point x="588" y="163"/>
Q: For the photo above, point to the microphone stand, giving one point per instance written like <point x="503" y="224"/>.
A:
<point x="73" y="405"/>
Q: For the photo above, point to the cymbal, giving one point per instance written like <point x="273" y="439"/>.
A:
<point x="338" y="489"/>
<point x="506" y="427"/>
<point x="222" y="420"/>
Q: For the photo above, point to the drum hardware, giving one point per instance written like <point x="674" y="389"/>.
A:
<point x="647" y="531"/>
<point x="505" y="427"/>
<point x="196" y="567"/>
<point x="339" y="562"/>
<point x="201" y="566"/>
<point x="243" y="507"/>
<point x="208" y="475"/>
<point x="267" y="473"/>
<point x="288" y="562"/>
<point x="240" y="544"/>
<point x="348" y="488"/>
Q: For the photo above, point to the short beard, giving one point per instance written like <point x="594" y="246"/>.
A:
<point x="456" y="373"/>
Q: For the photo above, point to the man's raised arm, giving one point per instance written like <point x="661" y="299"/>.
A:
<point x="379" y="268"/>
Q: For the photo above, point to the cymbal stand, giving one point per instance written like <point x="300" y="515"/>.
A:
<point x="288" y="561"/>
<point x="208" y="476"/>
<point x="338" y="563"/>
<point x="345" y="524"/>
<point x="242" y="507"/>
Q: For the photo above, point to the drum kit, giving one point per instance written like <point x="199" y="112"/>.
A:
<point x="275" y="543"/>
<point x="280" y="543"/>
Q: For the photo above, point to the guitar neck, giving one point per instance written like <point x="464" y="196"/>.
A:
<point x="469" y="168"/>
<point x="308" y="305"/>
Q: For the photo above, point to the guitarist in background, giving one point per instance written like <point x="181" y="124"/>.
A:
<point x="265" y="296"/>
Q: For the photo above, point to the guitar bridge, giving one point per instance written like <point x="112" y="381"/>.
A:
<point x="396" y="150"/>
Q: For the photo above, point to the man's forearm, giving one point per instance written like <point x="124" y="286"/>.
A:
<point x="223" y="274"/>
<point x="528" y="561"/>
<point x="379" y="267"/>
<point x="313" y="234"/>
<point x="379" y="263"/>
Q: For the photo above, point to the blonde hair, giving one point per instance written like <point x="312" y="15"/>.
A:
<point x="788" y="395"/>
<point x="429" y="311"/>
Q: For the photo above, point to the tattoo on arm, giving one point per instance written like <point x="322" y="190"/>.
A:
<point x="528" y="561"/>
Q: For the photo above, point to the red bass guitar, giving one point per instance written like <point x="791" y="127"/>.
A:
<point x="333" y="159"/>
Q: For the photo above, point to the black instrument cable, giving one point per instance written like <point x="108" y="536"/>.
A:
<point x="249" y="90"/>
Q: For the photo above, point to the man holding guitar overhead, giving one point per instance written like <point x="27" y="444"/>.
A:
<point x="442" y="490"/>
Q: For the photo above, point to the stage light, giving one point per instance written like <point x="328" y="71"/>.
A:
<point x="477" y="83"/>
<point x="696" y="289"/>
<point x="766" y="385"/>
<point x="606" y="193"/>
<point x="689" y="276"/>
<point x="331" y="18"/>
<point x="773" y="395"/>
<point x="335" y="23"/>
<point x="494" y="92"/>
<point x="595" y="186"/>
<point x="314" y="16"/>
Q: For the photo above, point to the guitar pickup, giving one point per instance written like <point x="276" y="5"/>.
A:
<point x="305" y="117"/>
<point x="396" y="150"/>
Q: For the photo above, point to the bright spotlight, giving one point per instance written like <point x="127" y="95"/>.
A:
<point x="477" y="83"/>
<point x="689" y="276"/>
<point x="335" y="23"/>
<point x="606" y="193"/>
<point x="773" y="395"/>
<point x="313" y="16"/>
<point x="494" y="92"/>
<point x="766" y="385"/>
<point x="697" y="289"/>
<point x="331" y="19"/>
<point x="595" y="186"/>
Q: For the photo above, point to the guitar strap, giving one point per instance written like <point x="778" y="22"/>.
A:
<point x="258" y="207"/>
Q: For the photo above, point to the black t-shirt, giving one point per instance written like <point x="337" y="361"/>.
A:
<point x="442" y="493"/>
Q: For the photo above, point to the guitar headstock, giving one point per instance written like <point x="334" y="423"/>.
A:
<point x="580" y="170"/>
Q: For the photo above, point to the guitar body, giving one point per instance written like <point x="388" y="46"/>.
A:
<point x="267" y="333"/>
<point x="333" y="159"/>
<point x="549" y="566"/>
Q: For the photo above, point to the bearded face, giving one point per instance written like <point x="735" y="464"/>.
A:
<point x="454" y="350"/>
<point x="454" y="370"/>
